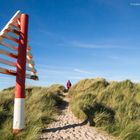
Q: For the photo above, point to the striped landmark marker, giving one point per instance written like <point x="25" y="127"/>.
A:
<point x="18" y="26"/>
<point x="18" y="122"/>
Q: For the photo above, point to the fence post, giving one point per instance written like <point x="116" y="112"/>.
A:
<point x="18" y="120"/>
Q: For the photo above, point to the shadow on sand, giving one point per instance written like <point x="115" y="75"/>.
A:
<point x="64" y="127"/>
<point x="64" y="104"/>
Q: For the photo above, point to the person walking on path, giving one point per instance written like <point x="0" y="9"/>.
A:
<point x="68" y="85"/>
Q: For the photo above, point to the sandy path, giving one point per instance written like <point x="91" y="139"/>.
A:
<point x="68" y="127"/>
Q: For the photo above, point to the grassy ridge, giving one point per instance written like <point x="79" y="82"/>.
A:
<point x="114" y="106"/>
<point x="40" y="110"/>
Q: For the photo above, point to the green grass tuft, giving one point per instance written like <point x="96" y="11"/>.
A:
<point x="40" y="109"/>
<point x="114" y="106"/>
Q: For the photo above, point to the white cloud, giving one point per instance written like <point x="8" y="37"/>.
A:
<point x="83" y="71"/>
<point x="134" y="4"/>
<point x="93" y="46"/>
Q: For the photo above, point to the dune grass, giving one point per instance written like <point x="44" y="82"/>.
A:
<point x="114" y="106"/>
<point x="40" y="109"/>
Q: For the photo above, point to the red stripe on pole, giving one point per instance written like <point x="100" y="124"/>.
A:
<point x="21" y="61"/>
<point x="10" y="38"/>
<point x="6" y="71"/>
<point x="7" y="62"/>
<point x="9" y="46"/>
<point x="7" y="53"/>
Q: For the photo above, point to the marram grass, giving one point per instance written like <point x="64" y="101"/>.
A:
<point x="40" y="110"/>
<point x="114" y="106"/>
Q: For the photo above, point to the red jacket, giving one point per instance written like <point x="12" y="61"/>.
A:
<point x="68" y="84"/>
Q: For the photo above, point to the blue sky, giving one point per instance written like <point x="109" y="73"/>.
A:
<point x="76" y="39"/>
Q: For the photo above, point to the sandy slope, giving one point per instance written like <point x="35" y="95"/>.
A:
<point x="68" y="127"/>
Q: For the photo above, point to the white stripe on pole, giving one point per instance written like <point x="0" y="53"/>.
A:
<point x="18" y="121"/>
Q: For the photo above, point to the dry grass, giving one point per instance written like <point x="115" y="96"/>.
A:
<point x="40" y="110"/>
<point x="114" y="106"/>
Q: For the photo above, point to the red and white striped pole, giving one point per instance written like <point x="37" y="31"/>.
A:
<point x="18" y="121"/>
